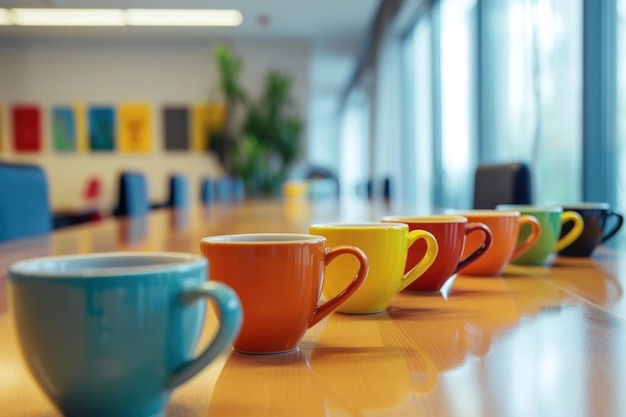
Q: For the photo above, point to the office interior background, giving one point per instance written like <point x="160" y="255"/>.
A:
<point x="416" y="91"/>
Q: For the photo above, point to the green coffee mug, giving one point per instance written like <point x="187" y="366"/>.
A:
<point x="551" y="219"/>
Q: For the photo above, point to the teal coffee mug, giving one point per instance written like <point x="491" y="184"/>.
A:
<point x="552" y="219"/>
<point x="113" y="334"/>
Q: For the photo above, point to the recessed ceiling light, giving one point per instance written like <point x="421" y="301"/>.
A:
<point x="4" y="17"/>
<point x="181" y="17"/>
<point x="120" y="17"/>
<point x="67" y="17"/>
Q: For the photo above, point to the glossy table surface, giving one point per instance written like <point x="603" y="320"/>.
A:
<point x="538" y="341"/>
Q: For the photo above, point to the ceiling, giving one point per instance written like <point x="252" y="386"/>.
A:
<point x="336" y="29"/>
<point x="338" y="23"/>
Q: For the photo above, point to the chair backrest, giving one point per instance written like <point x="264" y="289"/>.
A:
<point x="132" y="195"/>
<point x="179" y="191"/>
<point x="502" y="184"/>
<point x="24" y="206"/>
<point x="375" y="188"/>
<point x="224" y="189"/>
<point x="208" y="192"/>
<point x="239" y="189"/>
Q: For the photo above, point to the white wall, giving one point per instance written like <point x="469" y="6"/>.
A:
<point x="110" y="72"/>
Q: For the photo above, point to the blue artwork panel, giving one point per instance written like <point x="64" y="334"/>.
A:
<point x="101" y="128"/>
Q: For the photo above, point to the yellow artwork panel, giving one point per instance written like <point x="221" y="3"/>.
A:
<point x="207" y="118"/>
<point x="134" y="128"/>
<point x="1" y="127"/>
<point x="82" y="137"/>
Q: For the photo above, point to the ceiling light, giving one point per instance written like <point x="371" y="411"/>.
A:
<point x="4" y="17"/>
<point x="68" y="17"/>
<point x="120" y="17"/>
<point x="180" y="17"/>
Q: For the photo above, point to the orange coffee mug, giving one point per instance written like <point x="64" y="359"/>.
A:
<point x="505" y="227"/>
<point x="451" y="233"/>
<point x="278" y="278"/>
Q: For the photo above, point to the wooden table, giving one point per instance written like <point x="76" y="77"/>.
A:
<point x="535" y="342"/>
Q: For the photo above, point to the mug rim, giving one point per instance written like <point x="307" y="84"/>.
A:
<point x="246" y="239"/>
<point x="597" y="205"/>
<point x="552" y="208"/>
<point x="484" y="213"/>
<point x="34" y="268"/>
<point x="435" y="218"/>
<point x="359" y="225"/>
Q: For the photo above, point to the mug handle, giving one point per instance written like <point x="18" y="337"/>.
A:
<point x="535" y="232"/>
<point x="574" y="232"/>
<point x="611" y="233"/>
<point x="432" y="250"/>
<point x="483" y="248"/>
<point x="231" y="317"/>
<point x="334" y="303"/>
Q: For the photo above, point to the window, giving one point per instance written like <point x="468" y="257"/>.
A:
<point x="534" y="53"/>
<point x="458" y="98"/>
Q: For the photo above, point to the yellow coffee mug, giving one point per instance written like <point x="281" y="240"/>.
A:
<point x="386" y="246"/>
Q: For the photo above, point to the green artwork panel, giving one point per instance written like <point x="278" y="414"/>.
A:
<point x="64" y="129"/>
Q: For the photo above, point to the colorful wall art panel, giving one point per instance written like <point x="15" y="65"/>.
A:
<point x="200" y="128"/>
<point x="135" y="128"/>
<point x="101" y="121"/>
<point x="176" y="128"/>
<point x="82" y="132"/>
<point x="63" y="128"/>
<point x="26" y="121"/>
<point x="208" y="119"/>
<point x="1" y="127"/>
<point x="217" y="115"/>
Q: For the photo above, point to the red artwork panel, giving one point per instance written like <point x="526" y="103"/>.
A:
<point x="26" y="128"/>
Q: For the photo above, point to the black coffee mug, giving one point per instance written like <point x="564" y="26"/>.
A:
<point x="598" y="227"/>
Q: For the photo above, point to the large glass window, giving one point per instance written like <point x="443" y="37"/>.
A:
<point x="458" y="101"/>
<point x="417" y="51"/>
<point x="533" y="49"/>
<point x="621" y="103"/>
<point x="354" y="152"/>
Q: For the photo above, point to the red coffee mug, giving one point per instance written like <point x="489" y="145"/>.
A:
<point x="451" y="233"/>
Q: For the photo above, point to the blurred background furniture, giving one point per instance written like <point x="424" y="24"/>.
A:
<point x="224" y="189"/>
<point x="89" y="211"/>
<point x="508" y="183"/>
<point x="179" y="191"/>
<point x="24" y="206"/>
<point x="374" y="188"/>
<point x="132" y="195"/>
<point x="208" y="194"/>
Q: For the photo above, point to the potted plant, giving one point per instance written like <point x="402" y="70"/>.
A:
<point x="265" y="146"/>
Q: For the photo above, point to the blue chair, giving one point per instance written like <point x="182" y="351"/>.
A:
<point x="24" y="206"/>
<point x="132" y="195"/>
<point x="224" y="189"/>
<point x="239" y="189"/>
<point x="508" y="183"/>
<point x="208" y="193"/>
<point x="179" y="191"/>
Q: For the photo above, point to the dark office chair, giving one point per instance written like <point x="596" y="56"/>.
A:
<point x="24" y="206"/>
<point x="375" y="188"/>
<point x="179" y="191"/>
<point x="322" y="182"/>
<point x="502" y="184"/>
<point x="132" y="195"/>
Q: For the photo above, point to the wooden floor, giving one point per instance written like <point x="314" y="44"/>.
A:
<point x="538" y="341"/>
